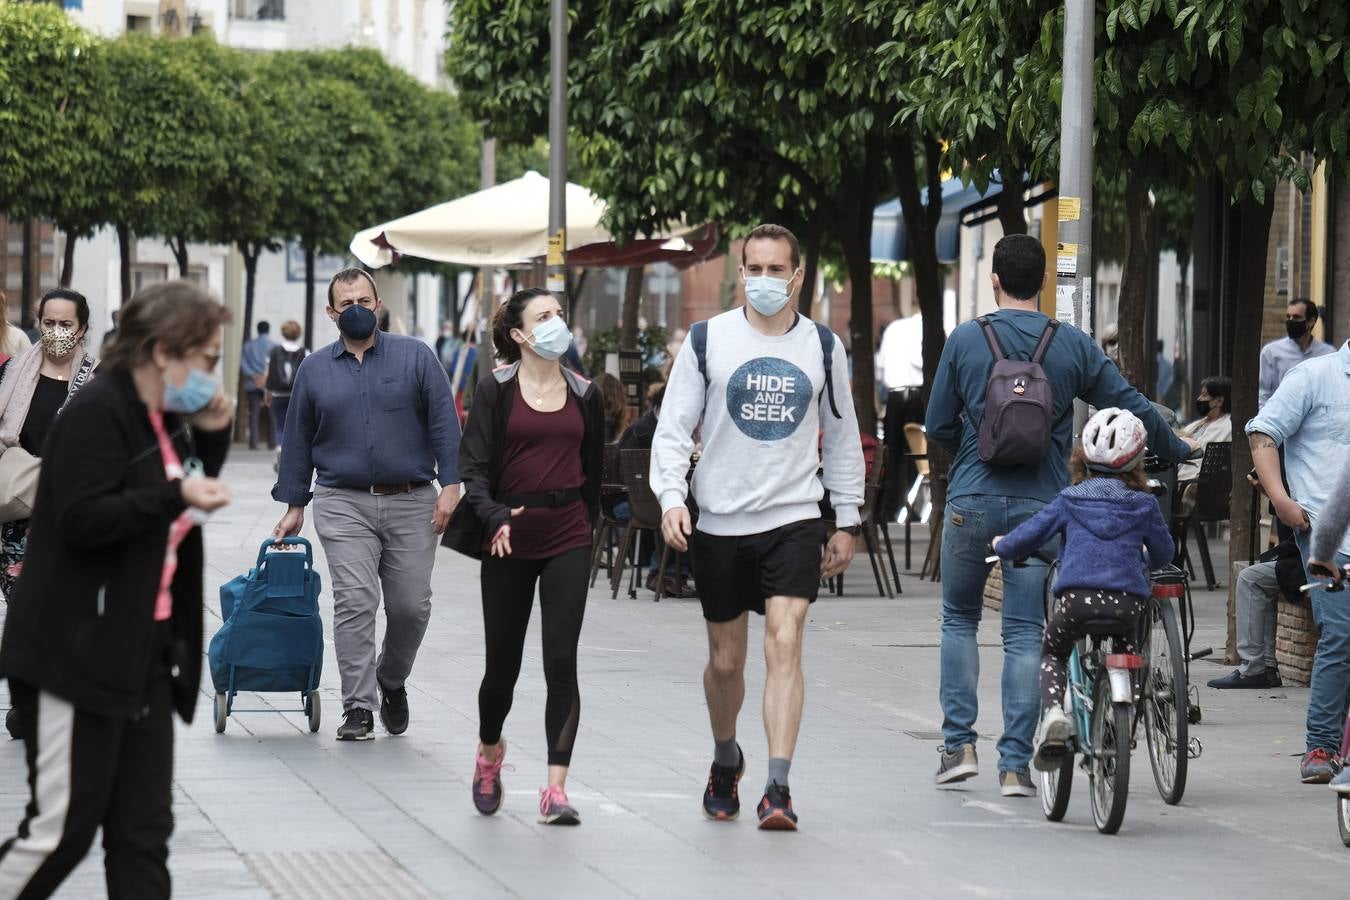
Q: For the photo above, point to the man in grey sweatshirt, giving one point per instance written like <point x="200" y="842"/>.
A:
<point x="756" y="378"/>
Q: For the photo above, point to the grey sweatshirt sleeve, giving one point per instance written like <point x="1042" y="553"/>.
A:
<point x="1329" y="531"/>
<point x="845" y="471"/>
<point x="681" y="411"/>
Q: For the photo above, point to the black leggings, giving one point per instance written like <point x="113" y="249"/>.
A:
<point x="508" y="597"/>
<point x="1070" y="611"/>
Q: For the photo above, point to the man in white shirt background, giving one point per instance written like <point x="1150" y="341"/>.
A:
<point x="900" y="368"/>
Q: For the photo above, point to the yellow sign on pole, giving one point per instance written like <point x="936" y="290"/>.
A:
<point x="556" y="242"/>
<point x="1070" y="208"/>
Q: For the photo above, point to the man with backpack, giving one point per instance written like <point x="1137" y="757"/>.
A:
<point x="282" y="364"/>
<point x="1002" y="405"/>
<point x="764" y="381"/>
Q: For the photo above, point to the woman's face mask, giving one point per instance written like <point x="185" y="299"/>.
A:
<point x="60" y="342"/>
<point x="550" y="338"/>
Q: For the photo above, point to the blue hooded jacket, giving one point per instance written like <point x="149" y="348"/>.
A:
<point x="1103" y="524"/>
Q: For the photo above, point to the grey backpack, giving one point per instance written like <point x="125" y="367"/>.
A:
<point x="1019" y="404"/>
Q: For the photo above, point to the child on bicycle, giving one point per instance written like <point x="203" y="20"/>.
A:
<point x="1104" y="517"/>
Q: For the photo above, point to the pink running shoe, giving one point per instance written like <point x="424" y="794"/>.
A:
<point x="487" y="783"/>
<point x="554" y="808"/>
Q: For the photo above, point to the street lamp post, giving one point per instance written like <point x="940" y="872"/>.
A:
<point x="557" y="154"/>
<point x="1073" y="255"/>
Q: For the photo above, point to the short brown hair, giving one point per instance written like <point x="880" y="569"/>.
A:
<point x="1135" y="479"/>
<point x="347" y="276"/>
<point x="176" y="316"/>
<point x="774" y="232"/>
<point x="290" y="330"/>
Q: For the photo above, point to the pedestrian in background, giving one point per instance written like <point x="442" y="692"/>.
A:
<point x="103" y="640"/>
<point x="253" y="368"/>
<point x="1298" y="345"/>
<point x="12" y="339"/>
<point x="372" y="413"/>
<point x="282" y="364"/>
<point x="531" y="461"/>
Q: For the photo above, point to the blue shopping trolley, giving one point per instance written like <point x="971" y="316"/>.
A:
<point x="272" y="637"/>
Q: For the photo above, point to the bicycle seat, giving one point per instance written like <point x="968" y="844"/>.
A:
<point x="1108" y="628"/>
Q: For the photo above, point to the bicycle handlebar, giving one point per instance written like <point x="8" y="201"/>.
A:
<point x="1023" y="562"/>
<point x="1329" y="586"/>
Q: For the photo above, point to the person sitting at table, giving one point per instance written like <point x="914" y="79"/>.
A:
<point x="1215" y="424"/>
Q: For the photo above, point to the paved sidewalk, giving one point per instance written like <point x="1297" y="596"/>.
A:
<point x="269" y="811"/>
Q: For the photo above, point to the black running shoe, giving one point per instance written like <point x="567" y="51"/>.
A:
<point x="357" y="725"/>
<point x="12" y="725"/>
<point x="775" y="810"/>
<point x="722" y="801"/>
<point x="394" y="710"/>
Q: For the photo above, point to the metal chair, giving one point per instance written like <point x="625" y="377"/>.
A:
<point x="612" y="492"/>
<point x="645" y="511"/>
<point x="1213" y="496"/>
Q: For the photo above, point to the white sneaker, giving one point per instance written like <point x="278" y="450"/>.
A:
<point x="1051" y="744"/>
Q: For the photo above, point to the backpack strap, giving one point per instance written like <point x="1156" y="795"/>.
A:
<point x="1043" y="345"/>
<point x="698" y="339"/>
<point x="994" y="346"/>
<point x="827" y="351"/>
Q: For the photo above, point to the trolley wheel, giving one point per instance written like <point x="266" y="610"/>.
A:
<point x="1343" y="817"/>
<point x="1055" y="789"/>
<point x="221" y="707"/>
<point x="313" y="710"/>
<point x="1109" y="780"/>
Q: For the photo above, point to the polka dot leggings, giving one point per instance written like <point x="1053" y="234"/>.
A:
<point x="1071" y="610"/>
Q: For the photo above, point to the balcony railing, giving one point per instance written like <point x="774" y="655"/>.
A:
<point x="259" y="10"/>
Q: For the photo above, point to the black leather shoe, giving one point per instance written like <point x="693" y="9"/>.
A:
<point x="394" y="710"/>
<point x="12" y="724"/>
<point x="1236" y="680"/>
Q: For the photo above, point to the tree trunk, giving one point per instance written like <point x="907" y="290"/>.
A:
<point x="1011" y="211"/>
<point x="68" y="260"/>
<point x="1134" y="283"/>
<point x="180" y="253"/>
<point x="806" y="297"/>
<point x="31" y="283"/>
<point x="1249" y="308"/>
<point x="632" y="307"/>
<point x="858" y="258"/>
<point x="250" y="252"/>
<point x="124" y="248"/>
<point x="309" y="295"/>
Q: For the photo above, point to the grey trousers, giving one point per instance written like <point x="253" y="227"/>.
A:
<point x="1257" y="594"/>
<point x="376" y="545"/>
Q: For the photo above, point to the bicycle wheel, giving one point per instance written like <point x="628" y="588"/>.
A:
<point x="1109" y="775"/>
<point x="1055" y="789"/>
<point x="1343" y="818"/>
<point x="1165" y="703"/>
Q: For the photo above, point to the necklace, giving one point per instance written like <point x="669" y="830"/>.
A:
<point x="540" y="393"/>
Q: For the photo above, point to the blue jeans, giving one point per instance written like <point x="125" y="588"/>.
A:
<point x="1329" y="691"/>
<point x="971" y="523"/>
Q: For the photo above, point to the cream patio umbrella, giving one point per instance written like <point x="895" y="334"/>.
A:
<point x="505" y="225"/>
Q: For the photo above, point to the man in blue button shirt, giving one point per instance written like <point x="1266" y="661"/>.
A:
<point x="985" y="500"/>
<point x="372" y="413"/>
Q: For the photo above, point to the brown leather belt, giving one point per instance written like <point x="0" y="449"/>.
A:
<point x="403" y="487"/>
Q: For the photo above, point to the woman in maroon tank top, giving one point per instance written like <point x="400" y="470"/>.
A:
<point x="530" y="461"/>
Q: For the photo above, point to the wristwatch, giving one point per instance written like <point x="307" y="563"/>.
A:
<point x="854" y="530"/>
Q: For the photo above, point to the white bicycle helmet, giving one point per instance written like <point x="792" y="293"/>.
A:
<point x="1114" y="440"/>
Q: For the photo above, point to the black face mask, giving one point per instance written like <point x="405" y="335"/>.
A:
<point x="1295" y="328"/>
<point x="356" y="322"/>
<point x="1203" y="406"/>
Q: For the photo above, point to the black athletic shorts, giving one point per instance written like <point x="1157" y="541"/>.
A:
<point x="736" y="573"/>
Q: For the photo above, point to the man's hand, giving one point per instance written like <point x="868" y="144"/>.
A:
<point x="290" y="524"/>
<point x="206" y="494"/>
<point x="1315" y="564"/>
<point x="1292" y="514"/>
<point x="446" y="502"/>
<point x="217" y="415"/>
<point x="676" y="528"/>
<point x="838" y="554"/>
<point x="501" y="541"/>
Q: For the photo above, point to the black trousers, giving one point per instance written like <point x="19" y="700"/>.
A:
<point x="1071" y="610"/>
<point x="903" y="405"/>
<point x="508" y="597"/>
<point x="87" y="771"/>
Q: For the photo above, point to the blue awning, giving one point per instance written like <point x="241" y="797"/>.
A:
<point x="890" y="241"/>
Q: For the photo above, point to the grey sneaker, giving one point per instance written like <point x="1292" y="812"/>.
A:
<point x="357" y="725"/>
<point x="1016" y="784"/>
<point x="957" y="765"/>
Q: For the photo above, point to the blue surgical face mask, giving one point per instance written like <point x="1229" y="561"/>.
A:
<point x="356" y="322"/>
<point x="195" y="394"/>
<point x="551" y="338"/>
<point x="767" y="295"/>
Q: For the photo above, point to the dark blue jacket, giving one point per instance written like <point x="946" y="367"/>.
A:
<point x="1075" y="366"/>
<point x="1103" y="524"/>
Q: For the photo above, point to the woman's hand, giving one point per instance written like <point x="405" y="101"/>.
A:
<point x="993" y="545"/>
<point x="501" y="541"/>
<point x="206" y="494"/>
<point x="217" y="415"/>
